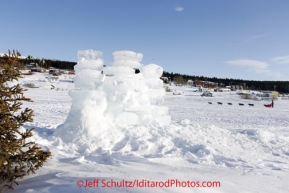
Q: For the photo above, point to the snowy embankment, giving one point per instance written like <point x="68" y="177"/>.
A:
<point x="245" y="148"/>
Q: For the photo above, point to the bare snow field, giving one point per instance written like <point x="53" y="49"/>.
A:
<point x="245" y="148"/>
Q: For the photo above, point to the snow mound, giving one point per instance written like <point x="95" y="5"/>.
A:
<point x="184" y="142"/>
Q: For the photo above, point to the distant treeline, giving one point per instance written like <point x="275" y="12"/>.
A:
<point x="45" y="63"/>
<point x="280" y="86"/>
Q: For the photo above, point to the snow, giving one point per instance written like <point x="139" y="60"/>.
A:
<point x="245" y="148"/>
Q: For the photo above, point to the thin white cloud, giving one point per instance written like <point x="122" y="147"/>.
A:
<point x="179" y="9"/>
<point x="258" y="36"/>
<point x="255" y="66"/>
<point x="275" y="74"/>
<point x="281" y="59"/>
<point x="252" y="65"/>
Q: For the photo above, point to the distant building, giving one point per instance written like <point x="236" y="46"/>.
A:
<point x="54" y="71"/>
<point x="32" y="65"/>
<point x="37" y="70"/>
<point x="224" y="89"/>
<point x="206" y="84"/>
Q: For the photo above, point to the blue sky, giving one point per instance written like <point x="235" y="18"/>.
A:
<point x="242" y="39"/>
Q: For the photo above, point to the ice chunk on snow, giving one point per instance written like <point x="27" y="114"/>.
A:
<point x="127" y="56"/>
<point x="132" y="64"/>
<point x="118" y="71"/>
<point x="154" y="83"/>
<point x="89" y="55"/>
<point x="89" y="59"/>
<point x="88" y="79"/>
<point x="151" y="71"/>
<point x="89" y="64"/>
<point x="157" y="96"/>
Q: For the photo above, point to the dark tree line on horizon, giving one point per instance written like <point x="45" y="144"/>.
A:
<point x="280" y="86"/>
<point x="45" y="63"/>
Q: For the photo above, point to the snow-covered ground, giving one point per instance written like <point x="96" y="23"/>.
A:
<point x="244" y="148"/>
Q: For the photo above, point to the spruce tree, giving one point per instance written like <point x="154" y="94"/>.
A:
<point x="19" y="156"/>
